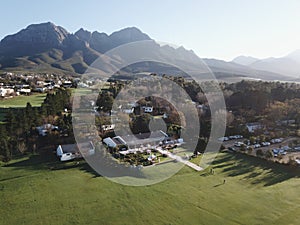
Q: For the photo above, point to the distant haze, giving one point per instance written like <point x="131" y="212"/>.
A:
<point x="288" y="65"/>
<point x="213" y="29"/>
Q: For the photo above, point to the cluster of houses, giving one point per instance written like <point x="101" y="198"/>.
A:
<point x="148" y="143"/>
<point x="136" y="141"/>
<point x="128" y="144"/>
<point x="7" y="90"/>
<point x="139" y="109"/>
<point x="25" y="89"/>
<point x="24" y="84"/>
<point x="134" y="107"/>
<point x="44" y="86"/>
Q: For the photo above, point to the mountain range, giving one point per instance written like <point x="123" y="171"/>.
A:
<point x="47" y="47"/>
<point x="288" y="65"/>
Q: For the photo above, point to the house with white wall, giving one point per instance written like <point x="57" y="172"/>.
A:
<point x="72" y="151"/>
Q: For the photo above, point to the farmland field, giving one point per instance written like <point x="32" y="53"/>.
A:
<point x="40" y="190"/>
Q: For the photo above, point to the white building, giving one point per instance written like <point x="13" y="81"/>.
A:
<point x="147" y="109"/>
<point x="254" y="126"/>
<point x="24" y="91"/>
<point x="72" y="151"/>
<point x="108" y="127"/>
<point x="43" y="130"/>
<point x="6" y="91"/>
<point x="132" y="141"/>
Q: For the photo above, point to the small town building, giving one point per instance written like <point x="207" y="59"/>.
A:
<point x="44" y="129"/>
<point x="147" y="109"/>
<point x="108" y="127"/>
<point x="137" y="140"/>
<point x="72" y="151"/>
<point x="254" y="126"/>
<point x="6" y="91"/>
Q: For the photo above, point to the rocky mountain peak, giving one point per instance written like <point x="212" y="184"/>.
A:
<point x="38" y="34"/>
<point x="83" y="34"/>
<point x="127" y="35"/>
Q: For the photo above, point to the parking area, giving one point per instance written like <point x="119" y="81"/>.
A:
<point x="282" y="149"/>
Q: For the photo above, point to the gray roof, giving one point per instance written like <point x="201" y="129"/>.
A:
<point x="70" y="148"/>
<point x="144" y="138"/>
<point x="74" y="148"/>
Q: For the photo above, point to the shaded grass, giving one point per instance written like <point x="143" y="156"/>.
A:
<point x="254" y="169"/>
<point x="40" y="190"/>
<point x="2" y="115"/>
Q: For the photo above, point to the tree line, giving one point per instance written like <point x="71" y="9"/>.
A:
<point x="18" y="133"/>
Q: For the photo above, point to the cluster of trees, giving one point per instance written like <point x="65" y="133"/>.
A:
<point x="258" y="95"/>
<point x="264" y="102"/>
<point x="246" y="101"/>
<point x="18" y="133"/>
<point x="55" y="103"/>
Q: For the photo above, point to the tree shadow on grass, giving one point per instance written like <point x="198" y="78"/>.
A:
<point x="79" y="164"/>
<point x="217" y="185"/>
<point x="49" y="161"/>
<point x="40" y="96"/>
<point x="254" y="169"/>
<point x="205" y="174"/>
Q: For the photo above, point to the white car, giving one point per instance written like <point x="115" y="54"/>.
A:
<point x="223" y="139"/>
<point x="238" y="136"/>
<point x="67" y="157"/>
<point x="265" y="143"/>
<point x="238" y="144"/>
<point x="297" y="148"/>
<point x="276" y="140"/>
<point x="285" y="148"/>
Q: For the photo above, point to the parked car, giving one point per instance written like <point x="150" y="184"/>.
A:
<point x="223" y="139"/>
<point x="297" y="148"/>
<point x="238" y="144"/>
<point x="238" y="136"/>
<point x="285" y="148"/>
<point x="231" y="149"/>
<point x="279" y="152"/>
<point x="257" y="146"/>
<point x="67" y="157"/>
<point x="276" y="140"/>
<point x="265" y="143"/>
<point x="282" y="152"/>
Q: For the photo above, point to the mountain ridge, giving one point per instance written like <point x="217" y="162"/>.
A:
<point x="288" y="64"/>
<point x="48" y="47"/>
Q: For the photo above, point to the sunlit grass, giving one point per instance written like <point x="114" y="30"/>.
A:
<point x="21" y="101"/>
<point x="39" y="190"/>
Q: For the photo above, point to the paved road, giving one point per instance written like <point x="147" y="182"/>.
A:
<point x="179" y="159"/>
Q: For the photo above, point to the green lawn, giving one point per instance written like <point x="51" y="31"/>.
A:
<point x="21" y="101"/>
<point x="38" y="190"/>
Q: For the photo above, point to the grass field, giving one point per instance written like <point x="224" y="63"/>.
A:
<point x="2" y="115"/>
<point x="38" y="190"/>
<point x="21" y="101"/>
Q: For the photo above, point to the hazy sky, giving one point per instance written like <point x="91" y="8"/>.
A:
<point x="214" y="29"/>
